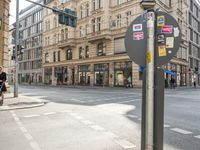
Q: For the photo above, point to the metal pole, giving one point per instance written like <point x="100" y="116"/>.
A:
<point x="16" y="50"/>
<point x="149" y="122"/>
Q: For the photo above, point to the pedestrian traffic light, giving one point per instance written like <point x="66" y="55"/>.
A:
<point x="69" y="20"/>
<point x="20" y="50"/>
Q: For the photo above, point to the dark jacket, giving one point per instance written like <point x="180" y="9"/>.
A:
<point x="3" y="78"/>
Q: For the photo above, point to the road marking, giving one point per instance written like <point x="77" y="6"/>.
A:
<point x="97" y="128"/>
<point x="111" y="134"/>
<point x="35" y="146"/>
<point x="198" y="136"/>
<point x="125" y="144"/>
<point x="28" y="136"/>
<point x="86" y="122"/>
<point x="30" y="116"/>
<point x="132" y="116"/>
<point x="77" y="100"/>
<point x="166" y="126"/>
<point x="65" y="111"/>
<point x="50" y="113"/>
<point x="23" y="129"/>
<point x="181" y="131"/>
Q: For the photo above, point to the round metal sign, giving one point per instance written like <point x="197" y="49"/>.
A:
<point x="167" y="39"/>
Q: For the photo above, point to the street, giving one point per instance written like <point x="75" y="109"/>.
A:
<point x="97" y="119"/>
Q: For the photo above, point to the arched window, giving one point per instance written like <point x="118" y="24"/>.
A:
<point x="58" y="55"/>
<point x="81" y="12"/>
<point x="81" y="54"/>
<point x="93" y="25"/>
<point x="55" y="22"/>
<point x="87" y="54"/>
<point x="46" y="59"/>
<point x="54" y="56"/>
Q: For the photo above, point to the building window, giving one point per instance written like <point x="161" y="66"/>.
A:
<point x="58" y="55"/>
<point x="87" y="52"/>
<point x="119" y="17"/>
<point x="81" y="32"/>
<point x="55" y="22"/>
<point x="81" y="53"/>
<point x="94" y="3"/>
<point x="128" y="17"/>
<point x="93" y="25"/>
<point x="86" y="29"/>
<point x="87" y="10"/>
<point x="46" y="57"/>
<point x="69" y="54"/>
<point x="54" y="56"/>
<point x="99" y="3"/>
<point x="101" y="49"/>
<point x="62" y="35"/>
<point x="81" y="12"/>
<point x="119" y="2"/>
<point x="99" y="24"/>
<point x="119" y="46"/>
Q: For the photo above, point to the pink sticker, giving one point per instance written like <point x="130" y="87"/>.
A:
<point x="138" y="35"/>
<point x="167" y="29"/>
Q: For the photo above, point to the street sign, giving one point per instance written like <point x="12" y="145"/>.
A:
<point x="167" y="40"/>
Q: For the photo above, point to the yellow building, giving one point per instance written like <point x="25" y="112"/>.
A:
<point x="93" y="53"/>
<point x="4" y="29"/>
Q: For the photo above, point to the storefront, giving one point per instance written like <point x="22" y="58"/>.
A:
<point x="61" y="75"/>
<point x="101" y="74"/>
<point x="122" y="71"/>
<point x="48" y="75"/>
<point x="84" y="75"/>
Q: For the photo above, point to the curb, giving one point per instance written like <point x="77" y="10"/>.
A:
<point x="6" y="108"/>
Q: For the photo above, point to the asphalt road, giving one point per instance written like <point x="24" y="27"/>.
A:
<point x="97" y="119"/>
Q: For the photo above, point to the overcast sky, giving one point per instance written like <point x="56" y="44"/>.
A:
<point x="22" y="4"/>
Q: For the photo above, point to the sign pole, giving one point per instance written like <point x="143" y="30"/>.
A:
<point x="149" y="98"/>
<point x="16" y="50"/>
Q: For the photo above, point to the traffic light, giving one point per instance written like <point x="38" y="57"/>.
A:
<point x="69" y="20"/>
<point x="20" y="50"/>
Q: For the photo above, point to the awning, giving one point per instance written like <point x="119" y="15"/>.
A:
<point x="169" y="72"/>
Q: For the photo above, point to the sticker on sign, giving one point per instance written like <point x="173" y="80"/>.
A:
<point x="137" y="27"/>
<point x="160" y="21"/>
<point x="138" y="35"/>
<point x="167" y="29"/>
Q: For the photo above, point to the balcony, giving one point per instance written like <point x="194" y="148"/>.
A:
<point x="67" y="43"/>
<point x="99" y="35"/>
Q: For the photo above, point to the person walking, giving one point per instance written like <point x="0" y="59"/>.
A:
<point x="2" y="83"/>
<point x="195" y="84"/>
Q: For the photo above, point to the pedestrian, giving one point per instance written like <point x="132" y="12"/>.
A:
<point x="194" y="83"/>
<point x="129" y="82"/>
<point x="173" y="83"/>
<point x="2" y="83"/>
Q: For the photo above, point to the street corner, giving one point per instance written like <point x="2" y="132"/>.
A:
<point x="22" y="102"/>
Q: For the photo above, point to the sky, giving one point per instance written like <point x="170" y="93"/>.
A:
<point x="23" y="4"/>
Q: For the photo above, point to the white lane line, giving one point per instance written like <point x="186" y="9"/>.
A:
<point x="77" y="100"/>
<point x="65" y="111"/>
<point x="97" y="128"/>
<point x="198" y="136"/>
<point x="35" y="146"/>
<point x="31" y="116"/>
<point x="110" y="134"/>
<point x="28" y="136"/>
<point x="181" y="131"/>
<point x="125" y="144"/>
<point x="50" y="113"/>
<point x="23" y="129"/>
<point x="166" y="126"/>
<point x="132" y="116"/>
<point x="86" y="122"/>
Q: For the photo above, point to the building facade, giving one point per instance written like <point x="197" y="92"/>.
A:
<point x="194" y="42"/>
<point x="30" y="62"/>
<point x="93" y="53"/>
<point x="4" y="29"/>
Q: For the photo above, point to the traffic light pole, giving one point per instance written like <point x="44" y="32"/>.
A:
<point x="16" y="50"/>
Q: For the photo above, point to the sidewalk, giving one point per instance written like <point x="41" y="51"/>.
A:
<point x="21" y="102"/>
